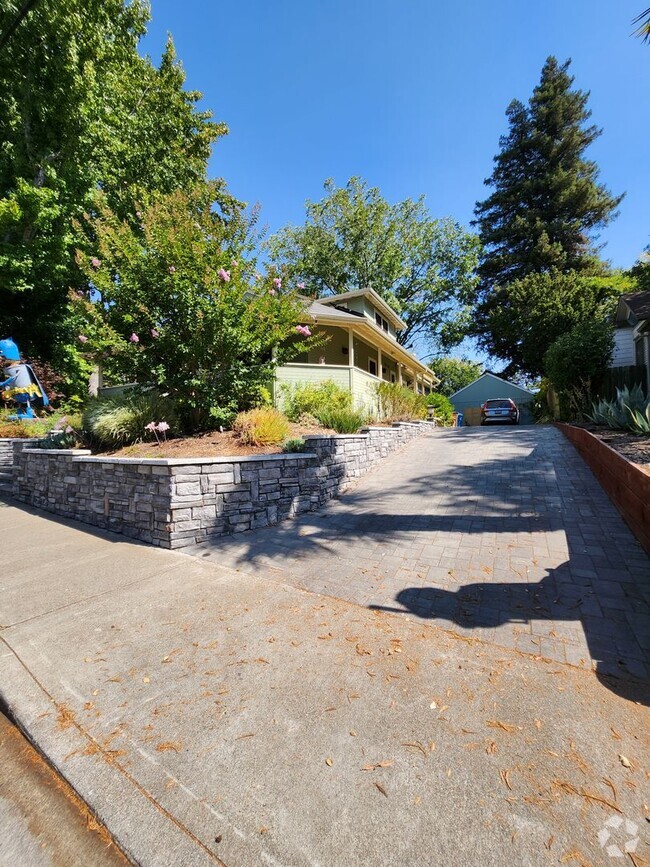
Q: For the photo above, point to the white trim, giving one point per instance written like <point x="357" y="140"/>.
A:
<point x="376" y="299"/>
<point x="498" y="379"/>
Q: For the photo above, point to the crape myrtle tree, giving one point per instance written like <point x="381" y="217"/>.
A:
<point x="537" y="227"/>
<point x="353" y="238"/>
<point x="81" y="111"/>
<point x="175" y="303"/>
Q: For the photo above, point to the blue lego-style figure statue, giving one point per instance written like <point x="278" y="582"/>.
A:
<point x="20" y="384"/>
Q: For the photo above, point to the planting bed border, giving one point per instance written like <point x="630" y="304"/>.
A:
<point x="178" y="502"/>
<point x="625" y="483"/>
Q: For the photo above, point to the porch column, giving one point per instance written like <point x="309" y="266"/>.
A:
<point x="415" y="381"/>
<point x="379" y="363"/>
<point x="351" y="359"/>
<point x="399" y="373"/>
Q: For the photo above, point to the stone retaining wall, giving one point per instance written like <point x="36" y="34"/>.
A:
<point x="626" y="484"/>
<point x="178" y="502"/>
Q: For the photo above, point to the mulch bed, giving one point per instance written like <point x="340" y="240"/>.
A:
<point x="210" y="445"/>
<point x="634" y="447"/>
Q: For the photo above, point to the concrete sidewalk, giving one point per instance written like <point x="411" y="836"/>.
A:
<point x="42" y="823"/>
<point x="211" y="716"/>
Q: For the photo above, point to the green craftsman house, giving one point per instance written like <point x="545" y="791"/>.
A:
<point x="361" y="352"/>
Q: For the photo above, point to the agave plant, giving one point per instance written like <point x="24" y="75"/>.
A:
<point x="630" y="410"/>
<point x="641" y="420"/>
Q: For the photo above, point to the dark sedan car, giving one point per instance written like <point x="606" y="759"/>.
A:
<point x="501" y="409"/>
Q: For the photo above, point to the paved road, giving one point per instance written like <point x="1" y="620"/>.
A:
<point x="501" y="534"/>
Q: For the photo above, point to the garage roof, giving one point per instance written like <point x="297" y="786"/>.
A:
<point x="498" y="379"/>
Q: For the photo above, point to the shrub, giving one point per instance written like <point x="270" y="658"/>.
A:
<point x="444" y="408"/>
<point x="576" y="361"/>
<point x="294" y="445"/>
<point x="398" y="403"/>
<point x="312" y="399"/>
<point x="630" y="410"/>
<point x="262" y="426"/>
<point x="342" y="420"/>
<point x="15" y="430"/>
<point x="118" y="421"/>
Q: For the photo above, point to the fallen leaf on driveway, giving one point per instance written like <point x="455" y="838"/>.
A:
<point x="415" y="747"/>
<point x="575" y="855"/>
<point x="385" y="764"/>
<point x="491" y="748"/>
<point x="381" y="789"/>
<point x="625" y="761"/>
<point x="504" y="778"/>
<point x="497" y="724"/>
<point x="329" y="762"/>
<point x="568" y="789"/>
<point x="167" y="746"/>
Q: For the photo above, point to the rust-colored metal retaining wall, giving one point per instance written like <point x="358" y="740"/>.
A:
<point x="626" y="484"/>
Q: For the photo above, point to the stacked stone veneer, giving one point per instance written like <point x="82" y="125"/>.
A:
<point x="179" y="502"/>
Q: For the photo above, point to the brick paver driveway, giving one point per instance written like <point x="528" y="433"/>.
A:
<point x="501" y="534"/>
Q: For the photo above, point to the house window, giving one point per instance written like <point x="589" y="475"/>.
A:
<point x="381" y="322"/>
<point x="372" y="366"/>
<point x="392" y="377"/>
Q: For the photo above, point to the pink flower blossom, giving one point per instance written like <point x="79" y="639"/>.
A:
<point x="234" y="263"/>
<point x="162" y="426"/>
<point x="277" y="282"/>
<point x="301" y="285"/>
<point x="138" y="214"/>
<point x="172" y="270"/>
<point x="82" y="338"/>
<point x="225" y="275"/>
<point x="95" y="262"/>
<point x="154" y="332"/>
<point x="151" y="426"/>
<point x="303" y="330"/>
<point x="134" y="338"/>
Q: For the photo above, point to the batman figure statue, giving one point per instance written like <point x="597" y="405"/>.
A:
<point x="19" y="382"/>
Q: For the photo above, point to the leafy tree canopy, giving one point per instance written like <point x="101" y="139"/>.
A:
<point x="530" y="313"/>
<point x="353" y="238"/>
<point x="81" y="110"/>
<point x="175" y="303"/>
<point x="454" y="373"/>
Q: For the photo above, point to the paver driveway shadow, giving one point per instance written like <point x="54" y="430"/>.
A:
<point x="501" y="534"/>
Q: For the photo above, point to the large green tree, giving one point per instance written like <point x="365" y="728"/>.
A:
<point x="544" y="211"/>
<point x="176" y="303"/>
<point x="353" y="238"/>
<point x="454" y="373"/>
<point x="81" y="110"/>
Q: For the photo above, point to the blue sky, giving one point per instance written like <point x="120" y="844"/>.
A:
<point x="409" y="94"/>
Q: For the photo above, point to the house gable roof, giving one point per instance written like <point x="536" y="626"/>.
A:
<point x="636" y="303"/>
<point x="495" y="377"/>
<point x="376" y="300"/>
<point x="326" y="314"/>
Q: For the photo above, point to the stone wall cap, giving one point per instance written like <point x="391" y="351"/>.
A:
<point x="335" y="437"/>
<point x="86" y="457"/>
<point x="72" y="452"/>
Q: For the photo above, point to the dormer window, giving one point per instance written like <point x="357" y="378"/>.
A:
<point x="381" y="322"/>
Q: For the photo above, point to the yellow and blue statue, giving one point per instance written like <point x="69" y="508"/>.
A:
<point x="21" y="384"/>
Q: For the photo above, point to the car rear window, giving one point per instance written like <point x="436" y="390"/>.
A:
<point x="498" y="404"/>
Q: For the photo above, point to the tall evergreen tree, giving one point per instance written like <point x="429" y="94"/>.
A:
<point x="545" y="208"/>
